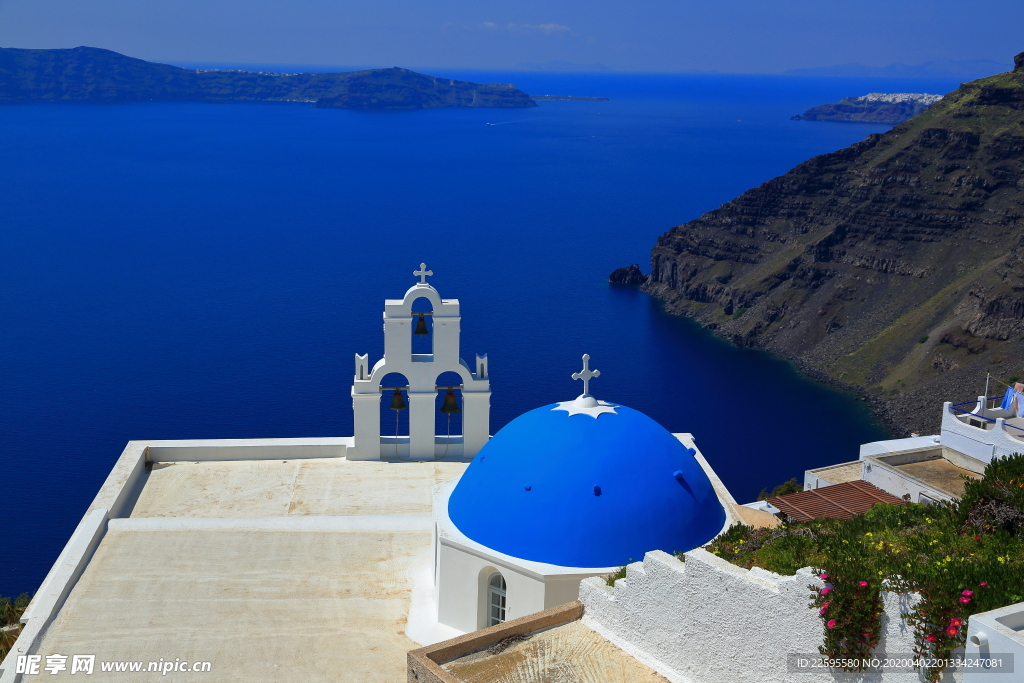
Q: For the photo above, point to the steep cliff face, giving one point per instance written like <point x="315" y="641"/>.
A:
<point x="895" y="265"/>
<point x="88" y="74"/>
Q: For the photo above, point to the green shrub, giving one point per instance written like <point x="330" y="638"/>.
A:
<point x="621" y="574"/>
<point x="962" y="558"/>
<point x="791" y="486"/>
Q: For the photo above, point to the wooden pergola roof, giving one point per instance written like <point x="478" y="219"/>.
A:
<point x="839" y="501"/>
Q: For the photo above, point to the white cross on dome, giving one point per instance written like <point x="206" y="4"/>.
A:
<point x="585" y="403"/>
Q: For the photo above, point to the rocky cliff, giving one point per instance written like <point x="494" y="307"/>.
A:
<point x="88" y="74"/>
<point x="894" y="266"/>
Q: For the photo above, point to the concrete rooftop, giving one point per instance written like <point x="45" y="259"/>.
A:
<point x="940" y="474"/>
<point x="843" y="472"/>
<point x="569" y="653"/>
<point x="282" y="488"/>
<point x="272" y="570"/>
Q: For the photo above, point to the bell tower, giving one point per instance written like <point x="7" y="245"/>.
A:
<point x="421" y="371"/>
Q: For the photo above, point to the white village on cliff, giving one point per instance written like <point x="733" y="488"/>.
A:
<point x="432" y="551"/>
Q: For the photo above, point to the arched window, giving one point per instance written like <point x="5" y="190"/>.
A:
<point x="422" y="344"/>
<point x="394" y="423"/>
<point x="495" y="599"/>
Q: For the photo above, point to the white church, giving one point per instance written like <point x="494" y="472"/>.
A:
<point x="340" y="554"/>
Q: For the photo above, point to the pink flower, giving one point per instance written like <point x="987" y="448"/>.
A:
<point x="952" y="630"/>
<point x="862" y="584"/>
<point x="931" y="637"/>
<point x="977" y="538"/>
<point x="965" y="600"/>
<point x="982" y="584"/>
<point x="831" y="623"/>
<point x="956" y="622"/>
<point x="822" y="611"/>
<point x="826" y="590"/>
<point x="967" y="594"/>
<point x="823" y="577"/>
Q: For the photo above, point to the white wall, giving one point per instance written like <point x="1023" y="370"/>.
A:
<point x="895" y="483"/>
<point x="981" y="444"/>
<point x="896" y="445"/>
<point x="993" y="634"/>
<point x="708" y="621"/>
<point x="462" y="593"/>
<point x="463" y="566"/>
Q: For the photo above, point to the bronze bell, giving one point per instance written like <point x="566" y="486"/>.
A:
<point x="421" y="326"/>
<point x="450" y="405"/>
<point x="397" y="402"/>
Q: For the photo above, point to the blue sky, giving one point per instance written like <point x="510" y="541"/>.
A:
<point x="736" y="36"/>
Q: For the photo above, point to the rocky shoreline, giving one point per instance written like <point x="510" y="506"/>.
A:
<point x="900" y="416"/>
<point x="888" y="415"/>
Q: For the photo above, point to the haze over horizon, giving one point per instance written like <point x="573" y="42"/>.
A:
<point x="740" y="36"/>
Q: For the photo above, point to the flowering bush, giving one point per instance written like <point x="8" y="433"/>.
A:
<point x="961" y="558"/>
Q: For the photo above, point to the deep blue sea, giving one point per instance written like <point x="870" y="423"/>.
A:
<point x="175" y="271"/>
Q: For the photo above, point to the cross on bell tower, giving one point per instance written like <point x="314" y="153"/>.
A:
<point x="422" y="273"/>
<point x="421" y="371"/>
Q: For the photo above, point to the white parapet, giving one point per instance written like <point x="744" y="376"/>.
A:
<point x="996" y="638"/>
<point x="984" y="442"/>
<point x="708" y="621"/>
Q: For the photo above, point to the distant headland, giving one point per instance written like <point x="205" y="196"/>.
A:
<point x="89" y="74"/>
<point x="876" y="107"/>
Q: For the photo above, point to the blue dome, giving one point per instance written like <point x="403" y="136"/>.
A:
<point x="576" y="491"/>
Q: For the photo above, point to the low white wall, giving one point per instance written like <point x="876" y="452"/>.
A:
<point x="708" y="621"/>
<point x="198" y="450"/>
<point x="996" y="634"/>
<point x="55" y="589"/>
<point x="897" y="445"/>
<point x="981" y="444"/>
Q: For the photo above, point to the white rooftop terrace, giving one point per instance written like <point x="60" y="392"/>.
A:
<point x="272" y="559"/>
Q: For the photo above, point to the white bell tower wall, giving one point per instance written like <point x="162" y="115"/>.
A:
<point x="422" y="371"/>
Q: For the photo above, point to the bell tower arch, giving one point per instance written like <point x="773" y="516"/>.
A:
<point x="421" y="370"/>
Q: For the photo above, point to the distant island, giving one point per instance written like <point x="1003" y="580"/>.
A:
<point x="89" y="74"/>
<point x="876" y="107"/>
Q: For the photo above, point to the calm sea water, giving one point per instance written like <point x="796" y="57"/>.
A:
<point x="178" y="271"/>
